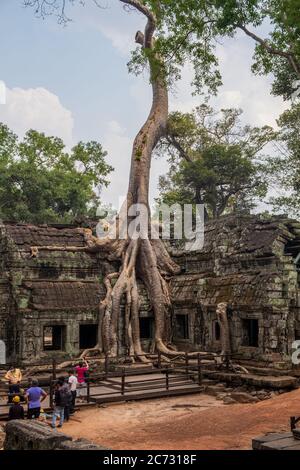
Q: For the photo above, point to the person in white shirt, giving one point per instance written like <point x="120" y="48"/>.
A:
<point x="72" y="381"/>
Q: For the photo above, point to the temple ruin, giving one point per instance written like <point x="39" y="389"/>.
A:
<point x="49" y="302"/>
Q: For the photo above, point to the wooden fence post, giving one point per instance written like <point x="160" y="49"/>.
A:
<point x="159" y="359"/>
<point x="199" y="370"/>
<point x="123" y="382"/>
<point x="106" y="365"/>
<point x="53" y="369"/>
<point x="88" y="390"/>
<point x="187" y="365"/>
<point x="51" y="392"/>
<point x="167" y="378"/>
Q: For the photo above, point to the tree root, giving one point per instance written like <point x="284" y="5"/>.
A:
<point x="125" y="288"/>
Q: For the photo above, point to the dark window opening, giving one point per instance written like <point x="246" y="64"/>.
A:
<point x="250" y="333"/>
<point x="88" y="336"/>
<point x="48" y="272"/>
<point x="54" y="338"/>
<point x="146" y="327"/>
<point x="297" y="335"/>
<point x="217" y="331"/>
<point x="182" y="327"/>
<point x="285" y="290"/>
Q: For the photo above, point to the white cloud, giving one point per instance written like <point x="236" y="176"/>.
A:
<point x="121" y="41"/>
<point x="118" y="146"/>
<point x="39" y="109"/>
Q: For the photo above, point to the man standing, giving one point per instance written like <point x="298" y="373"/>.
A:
<point x="61" y="400"/>
<point x="14" y="377"/>
<point x="72" y="381"/>
<point x="34" y="396"/>
<point x="81" y="370"/>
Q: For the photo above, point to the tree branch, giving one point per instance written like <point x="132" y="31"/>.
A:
<point x="272" y="50"/>
<point x="172" y="141"/>
<point x="151" y="24"/>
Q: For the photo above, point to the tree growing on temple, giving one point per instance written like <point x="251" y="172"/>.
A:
<point x="176" y="32"/>
<point x="164" y="54"/>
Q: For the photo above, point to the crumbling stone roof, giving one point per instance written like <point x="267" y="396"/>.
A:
<point x="248" y="234"/>
<point x="25" y="236"/>
<point x="55" y="280"/>
<point x="240" y="262"/>
<point x="65" y="295"/>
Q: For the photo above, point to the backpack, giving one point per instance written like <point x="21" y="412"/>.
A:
<point x="65" y="395"/>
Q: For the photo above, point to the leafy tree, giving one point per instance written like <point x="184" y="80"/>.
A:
<point x="278" y="53"/>
<point x="213" y="161"/>
<point x="285" y="169"/>
<point x="40" y="182"/>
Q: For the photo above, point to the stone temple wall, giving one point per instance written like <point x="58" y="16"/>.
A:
<point x="252" y="266"/>
<point x="249" y="263"/>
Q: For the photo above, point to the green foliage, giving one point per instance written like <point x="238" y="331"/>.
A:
<point x="214" y="160"/>
<point x="286" y="168"/>
<point x="40" y="182"/>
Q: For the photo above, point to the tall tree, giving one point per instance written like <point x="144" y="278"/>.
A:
<point x="42" y="183"/>
<point x="214" y="161"/>
<point x="148" y="259"/>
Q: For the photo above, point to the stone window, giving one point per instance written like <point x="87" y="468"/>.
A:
<point x="88" y="336"/>
<point x="217" y="331"/>
<point x="146" y="327"/>
<point x="54" y="337"/>
<point x="285" y="290"/>
<point x="182" y="327"/>
<point x="297" y="335"/>
<point x="250" y="333"/>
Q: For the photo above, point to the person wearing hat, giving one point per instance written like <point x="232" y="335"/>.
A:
<point x="16" y="411"/>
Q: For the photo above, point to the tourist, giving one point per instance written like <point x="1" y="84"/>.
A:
<point x="16" y="411"/>
<point x="61" y="401"/>
<point x="72" y="381"/>
<point x="65" y="390"/>
<point x="34" y="396"/>
<point x="81" y="371"/>
<point x="14" y="377"/>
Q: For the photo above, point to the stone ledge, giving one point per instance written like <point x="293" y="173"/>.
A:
<point x="34" y="435"/>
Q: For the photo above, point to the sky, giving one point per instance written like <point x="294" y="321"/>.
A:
<point x="73" y="82"/>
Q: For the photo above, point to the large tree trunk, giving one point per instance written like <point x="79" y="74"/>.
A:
<point x="143" y="258"/>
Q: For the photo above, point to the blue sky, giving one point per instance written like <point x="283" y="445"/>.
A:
<point x="73" y="81"/>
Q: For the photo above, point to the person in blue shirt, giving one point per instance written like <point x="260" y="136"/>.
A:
<point x="34" y="397"/>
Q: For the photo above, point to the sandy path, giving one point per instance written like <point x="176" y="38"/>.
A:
<point x="173" y="424"/>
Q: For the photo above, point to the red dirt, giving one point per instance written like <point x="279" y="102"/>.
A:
<point x="173" y="424"/>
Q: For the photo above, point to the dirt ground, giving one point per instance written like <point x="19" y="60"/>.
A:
<point x="188" y="423"/>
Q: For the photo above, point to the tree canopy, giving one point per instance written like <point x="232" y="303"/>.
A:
<point x="285" y="168"/>
<point x="214" y="160"/>
<point x="41" y="182"/>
